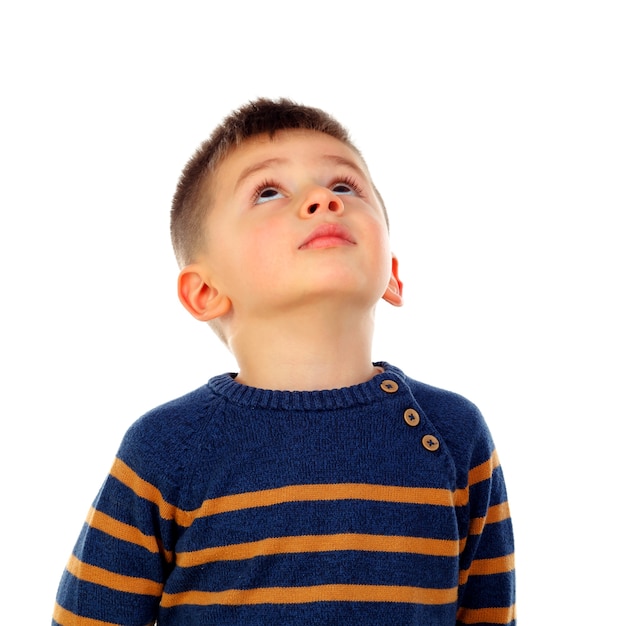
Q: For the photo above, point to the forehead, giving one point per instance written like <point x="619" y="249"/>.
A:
<point x="285" y="147"/>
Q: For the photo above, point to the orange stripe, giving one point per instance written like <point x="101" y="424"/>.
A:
<point x="462" y="543"/>
<point x="498" y="513"/>
<point x="319" y="593"/>
<point x="67" y="618"/>
<point x="282" y="495"/>
<point x="142" y="488"/>
<point x="484" y="470"/>
<point x="476" y="525"/>
<point x="310" y="493"/>
<point x="485" y="567"/>
<point x="495" y="513"/>
<point x="319" y="543"/>
<point x="491" y="615"/>
<point x="119" y="582"/>
<point x="498" y="565"/>
<point x="463" y="576"/>
<point x="120" y="530"/>
<point x="461" y="496"/>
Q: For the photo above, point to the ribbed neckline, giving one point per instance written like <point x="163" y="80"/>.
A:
<point x="324" y="400"/>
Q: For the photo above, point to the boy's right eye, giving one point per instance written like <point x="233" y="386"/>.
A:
<point x="266" y="193"/>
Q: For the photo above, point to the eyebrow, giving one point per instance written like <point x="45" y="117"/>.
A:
<point x="256" y="167"/>
<point x="346" y="162"/>
<point x="333" y="158"/>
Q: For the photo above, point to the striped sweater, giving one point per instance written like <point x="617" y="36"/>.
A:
<point x="382" y="503"/>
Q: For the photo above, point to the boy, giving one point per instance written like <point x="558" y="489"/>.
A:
<point x="312" y="487"/>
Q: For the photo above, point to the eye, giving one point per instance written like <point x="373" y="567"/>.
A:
<point x="266" y="192"/>
<point x="347" y="186"/>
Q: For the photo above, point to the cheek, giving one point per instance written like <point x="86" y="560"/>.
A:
<point x="378" y="235"/>
<point x="264" y="246"/>
<point x="381" y="254"/>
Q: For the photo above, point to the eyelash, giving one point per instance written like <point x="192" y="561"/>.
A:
<point x="260" y="188"/>
<point x="350" y="181"/>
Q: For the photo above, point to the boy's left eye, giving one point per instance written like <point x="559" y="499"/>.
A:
<point x="345" y="187"/>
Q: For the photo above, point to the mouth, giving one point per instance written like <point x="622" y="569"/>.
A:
<point x="327" y="236"/>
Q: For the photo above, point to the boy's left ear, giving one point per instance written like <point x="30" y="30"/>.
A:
<point x="393" y="293"/>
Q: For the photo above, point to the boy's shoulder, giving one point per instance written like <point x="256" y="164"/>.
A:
<point x="171" y="419"/>
<point x="458" y="420"/>
<point x="438" y="402"/>
<point x="442" y="403"/>
<point x="167" y="442"/>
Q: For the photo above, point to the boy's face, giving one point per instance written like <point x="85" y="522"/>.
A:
<point x="293" y="220"/>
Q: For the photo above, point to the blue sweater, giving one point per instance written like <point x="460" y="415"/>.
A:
<point x="382" y="503"/>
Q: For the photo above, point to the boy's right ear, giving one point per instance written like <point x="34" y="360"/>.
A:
<point x="199" y="297"/>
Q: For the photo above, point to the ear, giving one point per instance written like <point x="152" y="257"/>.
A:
<point x="199" y="297"/>
<point x="393" y="294"/>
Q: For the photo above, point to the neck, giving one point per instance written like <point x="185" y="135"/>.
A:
<point x="305" y="351"/>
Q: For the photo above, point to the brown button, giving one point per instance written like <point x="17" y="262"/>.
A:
<point x="411" y="417"/>
<point x="390" y="386"/>
<point x="430" y="442"/>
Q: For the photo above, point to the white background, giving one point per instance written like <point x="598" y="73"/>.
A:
<point x="496" y="133"/>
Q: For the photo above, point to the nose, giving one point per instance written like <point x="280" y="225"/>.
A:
<point x="321" y="199"/>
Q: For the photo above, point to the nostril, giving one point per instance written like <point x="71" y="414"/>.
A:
<point x="312" y="208"/>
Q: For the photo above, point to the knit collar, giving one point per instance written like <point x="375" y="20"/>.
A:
<point x="325" y="400"/>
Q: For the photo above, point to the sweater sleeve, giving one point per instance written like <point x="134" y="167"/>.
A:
<point x="486" y="588"/>
<point x="116" y="572"/>
<point x="125" y="552"/>
<point x="487" y="569"/>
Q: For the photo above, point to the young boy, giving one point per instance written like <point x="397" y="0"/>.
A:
<point x="312" y="487"/>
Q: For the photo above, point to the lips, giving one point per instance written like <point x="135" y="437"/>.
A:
<point x="327" y="236"/>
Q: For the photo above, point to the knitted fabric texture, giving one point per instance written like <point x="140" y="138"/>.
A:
<point x="382" y="503"/>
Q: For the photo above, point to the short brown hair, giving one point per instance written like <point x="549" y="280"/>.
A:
<point x="262" y="116"/>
